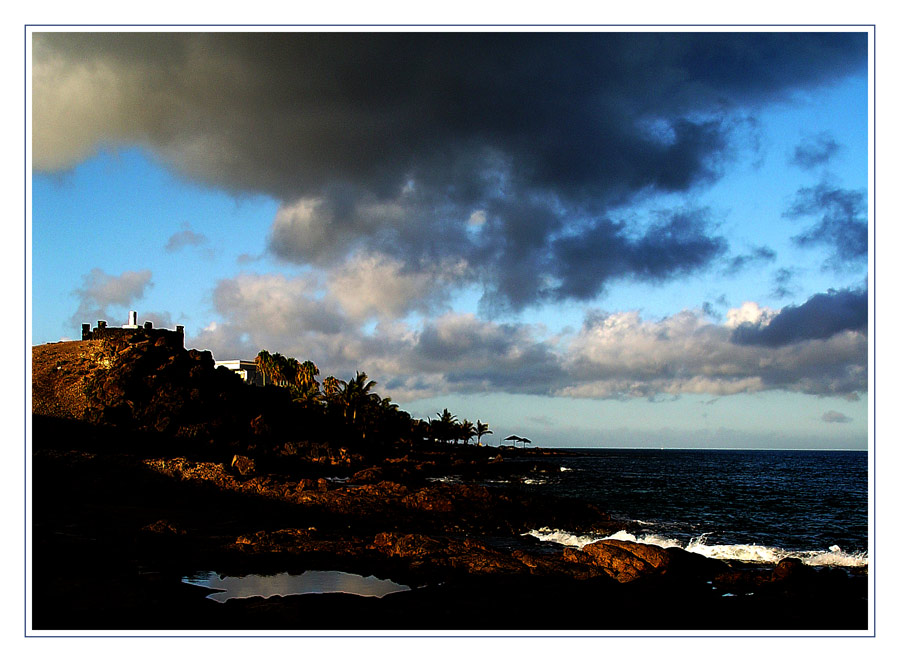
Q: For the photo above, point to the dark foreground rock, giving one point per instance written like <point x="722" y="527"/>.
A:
<point x="114" y="535"/>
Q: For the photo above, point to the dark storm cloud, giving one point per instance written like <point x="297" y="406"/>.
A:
<point x="678" y="243"/>
<point x="290" y="113"/>
<point x="842" y="222"/>
<point x="821" y="317"/>
<point x="815" y="151"/>
<point x="391" y="142"/>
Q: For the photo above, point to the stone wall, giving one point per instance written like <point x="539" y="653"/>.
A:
<point x="147" y="332"/>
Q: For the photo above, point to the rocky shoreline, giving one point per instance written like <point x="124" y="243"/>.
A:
<point x="122" y="512"/>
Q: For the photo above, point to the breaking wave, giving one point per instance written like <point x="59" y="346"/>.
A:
<point x="833" y="556"/>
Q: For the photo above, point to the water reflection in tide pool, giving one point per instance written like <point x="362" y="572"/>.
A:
<point x="311" y="581"/>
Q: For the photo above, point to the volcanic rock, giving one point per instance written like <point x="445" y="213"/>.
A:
<point x="244" y="465"/>
<point x="626" y="561"/>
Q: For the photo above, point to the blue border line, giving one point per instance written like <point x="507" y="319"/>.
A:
<point x="874" y="345"/>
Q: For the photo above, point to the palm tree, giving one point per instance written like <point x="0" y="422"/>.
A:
<point x="308" y="373"/>
<point x="445" y="425"/>
<point x="304" y="386"/>
<point x="356" y="395"/>
<point x="291" y="371"/>
<point x="466" y="431"/>
<point x="332" y="386"/>
<point x="276" y="370"/>
<point x="264" y="365"/>
<point x="388" y="406"/>
<point x="481" y="429"/>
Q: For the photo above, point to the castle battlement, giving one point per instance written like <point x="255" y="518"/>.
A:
<point x="132" y="330"/>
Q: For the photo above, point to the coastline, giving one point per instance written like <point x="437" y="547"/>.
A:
<point x="122" y="513"/>
<point x="114" y="539"/>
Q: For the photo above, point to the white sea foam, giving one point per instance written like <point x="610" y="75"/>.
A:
<point x="750" y="553"/>
<point x="771" y="555"/>
<point x="534" y="481"/>
<point x="835" y="556"/>
<point x="561" y="537"/>
<point x="647" y="539"/>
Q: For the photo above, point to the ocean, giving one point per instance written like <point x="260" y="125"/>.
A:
<point x="751" y="505"/>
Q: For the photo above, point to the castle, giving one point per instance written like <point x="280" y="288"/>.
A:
<point x="246" y="370"/>
<point x="132" y="330"/>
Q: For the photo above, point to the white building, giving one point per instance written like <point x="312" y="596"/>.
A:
<point x="246" y="370"/>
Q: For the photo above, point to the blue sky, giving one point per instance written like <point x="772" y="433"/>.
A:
<point x="603" y="239"/>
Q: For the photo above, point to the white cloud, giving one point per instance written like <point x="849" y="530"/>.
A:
<point x="100" y="290"/>
<point x="749" y="313"/>
<point x="375" y="285"/>
<point x="619" y="355"/>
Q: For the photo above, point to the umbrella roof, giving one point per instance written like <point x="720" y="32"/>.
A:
<point x="514" y="437"/>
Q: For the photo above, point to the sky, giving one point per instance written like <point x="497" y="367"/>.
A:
<point x="598" y="238"/>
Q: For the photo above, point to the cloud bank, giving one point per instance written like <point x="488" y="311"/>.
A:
<point x="616" y="355"/>
<point x="509" y="153"/>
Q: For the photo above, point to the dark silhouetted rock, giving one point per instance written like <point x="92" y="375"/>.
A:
<point x="792" y="570"/>
<point x="244" y="465"/>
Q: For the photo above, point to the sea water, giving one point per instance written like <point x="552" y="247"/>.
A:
<point x="758" y="506"/>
